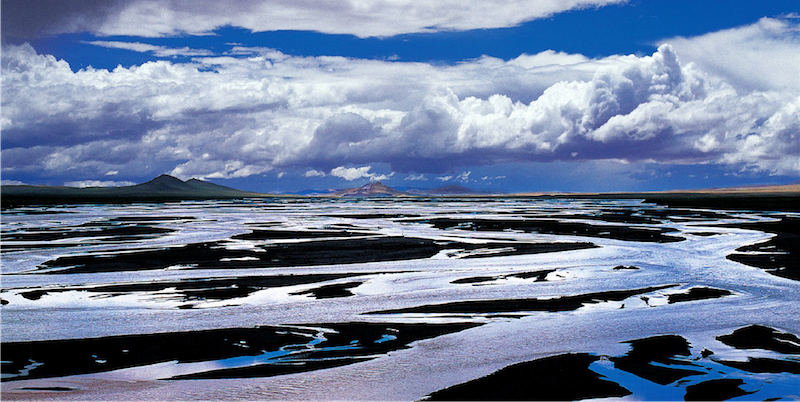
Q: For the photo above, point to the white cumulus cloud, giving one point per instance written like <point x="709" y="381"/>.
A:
<point x="263" y="110"/>
<point x="314" y="173"/>
<point x="351" y="174"/>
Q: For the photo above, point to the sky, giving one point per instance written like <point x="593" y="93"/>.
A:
<point x="509" y="96"/>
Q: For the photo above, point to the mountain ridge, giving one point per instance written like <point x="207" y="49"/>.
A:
<point x="161" y="188"/>
<point x="372" y="189"/>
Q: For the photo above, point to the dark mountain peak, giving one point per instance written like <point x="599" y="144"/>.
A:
<point x="162" y="183"/>
<point x="166" y="185"/>
<point x="164" y="178"/>
<point x="375" y="186"/>
<point x="373" y="189"/>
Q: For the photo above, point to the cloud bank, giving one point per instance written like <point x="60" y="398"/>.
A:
<point x="363" y="18"/>
<point x="256" y="110"/>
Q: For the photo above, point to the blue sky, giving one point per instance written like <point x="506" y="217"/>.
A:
<point x="277" y="96"/>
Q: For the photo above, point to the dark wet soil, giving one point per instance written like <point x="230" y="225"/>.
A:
<point x="666" y="360"/>
<point x="143" y="218"/>
<point x="116" y="233"/>
<point x="780" y="255"/>
<point x="372" y="216"/>
<point x="715" y="390"/>
<point x="331" y="291"/>
<point x="214" y="255"/>
<point x="765" y="365"/>
<point x="556" y="378"/>
<point x="198" y="289"/>
<point x="537" y="276"/>
<point x="344" y="343"/>
<point x="268" y="234"/>
<point x="743" y="201"/>
<point x="697" y="293"/>
<point x="761" y="337"/>
<point x="658" y="349"/>
<point x="555" y="227"/>
<point x="563" y="303"/>
<point x="54" y="389"/>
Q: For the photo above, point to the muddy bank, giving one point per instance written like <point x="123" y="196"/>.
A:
<point x="537" y="276"/>
<point x="557" y="378"/>
<point x="779" y="255"/>
<point x="663" y="350"/>
<point x="697" y="293"/>
<point x="331" y="291"/>
<point x="761" y="337"/>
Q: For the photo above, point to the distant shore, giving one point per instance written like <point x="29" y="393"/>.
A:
<point x="170" y="189"/>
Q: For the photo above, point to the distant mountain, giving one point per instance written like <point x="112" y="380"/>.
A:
<point x="374" y="189"/>
<point x="168" y="185"/>
<point x="162" y="188"/>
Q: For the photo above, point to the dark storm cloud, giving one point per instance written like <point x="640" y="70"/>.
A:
<point x="29" y="19"/>
<point x="35" y="18"/>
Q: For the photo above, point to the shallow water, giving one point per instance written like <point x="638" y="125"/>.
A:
<point x="626" y="271"/>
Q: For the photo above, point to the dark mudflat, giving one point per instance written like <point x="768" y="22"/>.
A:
<point x="511" y="249"/>
<point x="780" y="255"/>
<point x="715" y="390"/>
<point x="277" y="234"/>
<point x="116" y="233"/>
<point x="371" y="216"/>
<point x="537" y="276"/>
<point x="563" y="303"/>
<point x="214" y="255"/>
<point x="557" y="378"/>
<point x="54" y="389"/>
<point x="144" y="218"/>
<point x="546" y="226"/>
<point x="697" y="293"/>
<point x="663" y="349"/>
<point x="198" y="289"/>
<point x="331" y="291"/>
<point x="476" y="279"/>
<point x="733" y="201"/>
<point x="765" y="365"/>
<point x="760" y="337"/>
<point x="306" y="348"/>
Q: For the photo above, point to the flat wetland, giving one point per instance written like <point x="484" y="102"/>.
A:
<point x="474" y="298"/>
